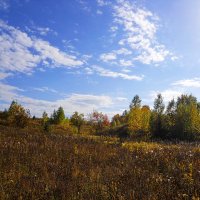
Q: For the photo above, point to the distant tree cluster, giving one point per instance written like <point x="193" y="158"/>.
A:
<point x="180" y="119"/>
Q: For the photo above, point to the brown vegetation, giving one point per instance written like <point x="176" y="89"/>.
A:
<point x="38" y="165"/>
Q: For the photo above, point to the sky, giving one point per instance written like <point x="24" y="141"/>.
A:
<point x="87" y="55"/>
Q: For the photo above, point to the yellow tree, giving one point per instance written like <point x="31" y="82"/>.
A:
<point x="145" y="120"/>
<point x="135" y="120"/>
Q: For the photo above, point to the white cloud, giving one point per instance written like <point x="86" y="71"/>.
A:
<point x="99" y="12"/>
<point x="4" y="75"/>
<point x="4" y="4"/>
<point x="123" y="51"/>
<point x="45" y="89"/>
<point x="22" y="53"/>
<point x="139" y="32"/>
<point x="113" y="55"/>
<point x="126" y="63"/>
<point x="167" y="95"/>
<point x="83" y="103"/>
<point x="84" y="5"/>
<point x="195" y="82"/>
<point x="126" y="70"/>
<point x="44" y="30"/>
<point x="108" y="57"/>
<point x="174" y="58"/>
<point x="108" y="73"/>
<point x="103" y="2"/>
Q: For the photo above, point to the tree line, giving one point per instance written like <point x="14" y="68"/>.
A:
<point x="179" y="119"/>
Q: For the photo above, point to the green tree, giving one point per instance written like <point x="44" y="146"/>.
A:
<point x="187" y="124"/>
<point x="77" y="120"/>
<point x="157" y="126"/>
<point x="58" y="117"/>
<point x="136" y="102"/>
<point x="170" y="119"/>
<point x="45" y="117"/>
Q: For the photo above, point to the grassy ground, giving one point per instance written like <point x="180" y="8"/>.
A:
<point x="41" y="166"/>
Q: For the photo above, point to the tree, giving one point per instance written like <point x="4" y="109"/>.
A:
<point x="157" y="116"/>
<point x="58" y="117"/>
<point x="139" y="119"/>
<point x="136" y="102"/>
<point x="116" y="120"/>
<point x="77" y="120"/>
<point x="99" y="120"/>
<point x="145" y="115"/>
<point x="135" y="120"/>
<point x="17" y="115"/>
<point x="169" y="119"/>
<point x="187" y="122"/>
<point x="185" y="99"/>
<point x="45" y="117"/>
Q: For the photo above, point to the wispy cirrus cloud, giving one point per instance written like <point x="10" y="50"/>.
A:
<point x="45" y="89"/>
<point x="112" y="74"/>
<point x="195" y="82"/>
<point x="43" y="31"/>
<point x="22" y="53"/>
<point x="4" y="75"/>
<point x="4" y="4"/>
<point x="103" y="2"/>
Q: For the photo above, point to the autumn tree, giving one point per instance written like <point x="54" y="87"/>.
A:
<point x="77" y="120"/>
<point x="18" y="115"/>
<point x="145" y="115"/>
<point x="138" y="118"/>
<point x="99" y="120"/>
<point x="135" y="120"/>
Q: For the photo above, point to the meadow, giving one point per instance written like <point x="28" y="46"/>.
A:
<point x="39" y="165"/>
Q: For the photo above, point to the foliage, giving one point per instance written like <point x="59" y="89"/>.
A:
<point x="17" y="115"/>
<point x="98" y="120"/>
<point x="139" y="118"/>
<point x="58" y="117"/>
<point x="136" y="102"/>
<point x="157" y="117"/>
<point x="77" y="120"/>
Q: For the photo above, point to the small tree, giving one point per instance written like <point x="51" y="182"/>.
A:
<point x="77" y="120"/>
<point x="99" y="120"/>
<point x="157" y="116"/>
<point x="136" y="102"/>
<point x="58" y="117"/>
<point x="45" y="117"/>
<point x="17" y="115"/>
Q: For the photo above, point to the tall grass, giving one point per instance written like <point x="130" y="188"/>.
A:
<point x="35" y="165"/>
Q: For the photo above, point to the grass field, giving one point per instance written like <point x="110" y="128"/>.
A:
<point x="35" y="165"/>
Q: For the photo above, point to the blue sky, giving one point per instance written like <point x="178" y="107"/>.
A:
<point x="90" y="55"/>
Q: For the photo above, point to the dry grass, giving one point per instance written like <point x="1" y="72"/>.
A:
<point x="47" y="166"/>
